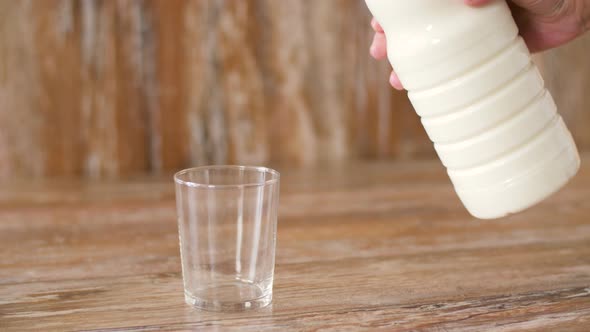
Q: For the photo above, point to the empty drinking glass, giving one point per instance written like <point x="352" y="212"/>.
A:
<point x="227" y="221"/>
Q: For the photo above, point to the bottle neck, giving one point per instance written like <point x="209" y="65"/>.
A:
<point x="399" y="15"/>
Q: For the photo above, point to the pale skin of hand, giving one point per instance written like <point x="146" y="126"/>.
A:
<point x="544" y="24"/>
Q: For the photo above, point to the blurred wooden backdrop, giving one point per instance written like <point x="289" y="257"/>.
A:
<point x="103" y="88"/>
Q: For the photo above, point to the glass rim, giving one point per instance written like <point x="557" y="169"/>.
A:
<point x="275" y="176"/>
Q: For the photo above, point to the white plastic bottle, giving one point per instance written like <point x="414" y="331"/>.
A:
<point x="482" y="101"/>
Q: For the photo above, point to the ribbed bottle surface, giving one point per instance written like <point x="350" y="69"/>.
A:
<point x="482" y="102"/>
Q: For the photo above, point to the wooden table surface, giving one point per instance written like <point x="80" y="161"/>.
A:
<point x="360" y="246"/>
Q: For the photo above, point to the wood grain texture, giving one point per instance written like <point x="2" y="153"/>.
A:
<point x="103" y="89"/>
<point x="567" y="74"/>
<point x="108" y="88"/>
<point x="361" y="246"/>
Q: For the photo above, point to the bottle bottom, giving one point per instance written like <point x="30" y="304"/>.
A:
<point x="526" y="191"/>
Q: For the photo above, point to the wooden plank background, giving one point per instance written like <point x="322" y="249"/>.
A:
<point x="108" y="88"/>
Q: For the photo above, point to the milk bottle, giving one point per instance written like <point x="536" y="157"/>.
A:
<point x="482" y="101"/>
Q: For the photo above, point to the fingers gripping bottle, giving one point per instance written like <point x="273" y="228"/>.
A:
<point x="482" y="101"/>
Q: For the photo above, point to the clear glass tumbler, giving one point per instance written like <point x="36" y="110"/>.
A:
<point x="227" y="221"/>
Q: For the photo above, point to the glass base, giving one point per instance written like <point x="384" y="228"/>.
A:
<point x="234" y="297"/>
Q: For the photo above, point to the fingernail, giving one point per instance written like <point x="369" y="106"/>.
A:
<point x="392" y="82"/>
<point x="395" y="82"/>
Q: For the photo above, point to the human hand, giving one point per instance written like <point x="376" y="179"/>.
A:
<point x="543" y="24"/>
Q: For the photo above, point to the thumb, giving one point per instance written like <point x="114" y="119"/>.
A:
<point x="537" y="7"/>
<point x="477" y="2"/>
